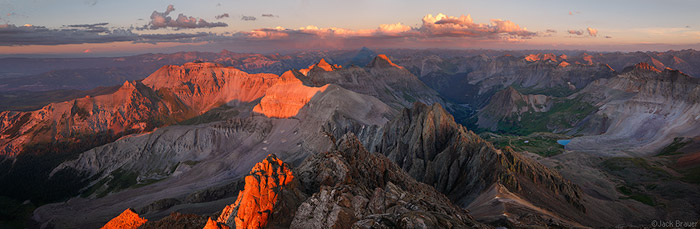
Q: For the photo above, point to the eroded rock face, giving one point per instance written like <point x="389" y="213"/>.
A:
<point x="266" y="195"/>
<point x="640" y="111"/>
<point x="426" y="142"/>
<point x="509" y="103"/>
<point x="352" y="187"/>
<point x="127" y="220"/>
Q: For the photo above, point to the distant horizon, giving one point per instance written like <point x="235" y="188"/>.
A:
<point x="534" y="51"/>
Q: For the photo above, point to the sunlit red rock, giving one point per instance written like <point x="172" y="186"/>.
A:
<point x="256" y="202"/>
<point x="588" y="58"/>
<point x="383" y="61"/>
<point x="549" y="56"/>
<point x="284" y="100"/>
<point x="128" y="219"/>
<point x="564" y="64"/>
<point x="323" y="65"/>
<point x="169" y="95"/>
<point x="211" y="224"/>
<point x="646" y="67"/>
<point x="532" y="57"/>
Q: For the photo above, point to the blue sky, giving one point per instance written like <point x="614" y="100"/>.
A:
<point x="617" y="25"/>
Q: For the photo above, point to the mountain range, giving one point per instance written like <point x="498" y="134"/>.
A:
<point x="356" y="139"/>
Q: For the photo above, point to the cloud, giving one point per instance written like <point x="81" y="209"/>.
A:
<point x="97" y="27"/>
<point x="12" y="35"/>
<point x="221" y="16"/>
<point x="591" y="31"/>
<point x="608" y="37"/>
<point x="551" y="31"/>
<point x="434" y="31"/>
<point x="162" y="20"/>
<point x="576" y="32"/>
<point x="248" y="18"/>
<point x="447" y="26"/>
<point x="269" y="15"/>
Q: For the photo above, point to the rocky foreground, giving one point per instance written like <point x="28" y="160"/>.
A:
<point x="343" y="188"/>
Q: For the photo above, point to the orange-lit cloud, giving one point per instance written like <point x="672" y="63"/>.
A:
<point x="432" y="27"/>
<point x="593" y="32"/>
<point x="87" y="51"/>
<point x="162" y="20"/>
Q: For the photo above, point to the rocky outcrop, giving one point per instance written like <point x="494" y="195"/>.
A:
<point x="641" y="110"/>
<point x="426" y="142"/>
<point x="127" y="220"/>
<point x="509" y="103"/>
<point x="211" y="224"/>
<point x="268" y="198"/>
<point x="350" y="187"/>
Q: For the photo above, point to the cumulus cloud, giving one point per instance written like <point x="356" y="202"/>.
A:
<point x="248" y="18"/>
<point x="221" y="16"/>
<point x="464" y="26"/>
<point x="592" y="32"/>
<point x="269" y="15"/>
<point x="162" y="20"/>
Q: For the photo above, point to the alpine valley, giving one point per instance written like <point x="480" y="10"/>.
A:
<point x="385" y="138"/>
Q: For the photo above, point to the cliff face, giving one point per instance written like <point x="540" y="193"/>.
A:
<point x="509" y="103"/>
<point x="641" y="111"/>
<point x="426" y="142"/>
<point x="352" y="187"/>
<point x="267" y="198"/>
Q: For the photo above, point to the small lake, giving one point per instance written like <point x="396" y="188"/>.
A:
<point x="563" y="141"/>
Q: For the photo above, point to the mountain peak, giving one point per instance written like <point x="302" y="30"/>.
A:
<point x="128" y="219"/>
<point x="255" y="203"/>
<point x="324" y="65"/>
<point x="382" y="61"/>
<point x="643" y="66"/>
